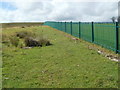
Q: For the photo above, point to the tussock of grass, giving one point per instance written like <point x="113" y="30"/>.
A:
<point x="24" y="34"/>
<point x="5" y="38"/>
<point x="14" y="40"/>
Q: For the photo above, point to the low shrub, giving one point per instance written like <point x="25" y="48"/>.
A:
<point x="24" y="34"/>
<point x="44" y="42"/>
<point x="30" y="42"/>
<point x="5" y="38"/>
<point x="21" y="43"/>
<point x="14" y="40"/>
<point x="22" y="27"/>
<point x="28" y="39"/>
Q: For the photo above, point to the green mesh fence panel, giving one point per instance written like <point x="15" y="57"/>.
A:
<point x="119" y="38"/>
<point x="86" y="31"/>
<point x="75" y="29"/>
<point x="53" y="25"/>
<point x="58" y="25"/>
<point x="63" y="27"/>
<point x="105" y="35"/>
<point x="68" y="27"/>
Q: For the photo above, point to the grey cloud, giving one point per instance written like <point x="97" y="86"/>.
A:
<point x="91" y="11"/>
<point x="61" y="11"/>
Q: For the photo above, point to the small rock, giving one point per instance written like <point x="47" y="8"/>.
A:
<point x="114" y="59"/>
<point x="6" y="78"/>
<point x="99" y="52"/>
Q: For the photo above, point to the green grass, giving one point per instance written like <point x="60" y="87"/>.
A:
<point x="65" y="64"/>
<point x="0" y="57"/>
<point x="25" y="24"/>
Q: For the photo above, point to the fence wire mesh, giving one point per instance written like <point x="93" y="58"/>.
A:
<point x="119" y="37"/>
<point x="101" y="33"/>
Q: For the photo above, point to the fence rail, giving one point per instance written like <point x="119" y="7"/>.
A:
<point x="106" y="34"/>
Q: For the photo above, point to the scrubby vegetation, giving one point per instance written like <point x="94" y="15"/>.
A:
<point x="23" y="34"/>
<point x="14" y="40"/>
<point x="25" y="38"/>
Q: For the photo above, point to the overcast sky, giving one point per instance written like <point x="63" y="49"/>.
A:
<point x="58" y="10"/>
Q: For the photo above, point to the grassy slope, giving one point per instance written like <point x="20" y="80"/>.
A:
<point x="65" y="64"/>
<point x="0" y="56"/>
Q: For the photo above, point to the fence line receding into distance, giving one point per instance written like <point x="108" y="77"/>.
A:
<point x="106" y="34"/>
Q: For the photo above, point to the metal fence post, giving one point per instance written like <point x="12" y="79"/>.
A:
<point x="92" y="31"/>
<point x="61" y="26"/>
<point x="71" y="27"/>
<point x="79" y="30"/>
<point x="58" y="25"/>
<point x="116" y="34"/>
<point x="65" y="26"/>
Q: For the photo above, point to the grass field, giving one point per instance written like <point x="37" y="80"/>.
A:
<point x="65" y="64"/>
<point x="22" y="24"/>
<point x="0" y="56"/>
